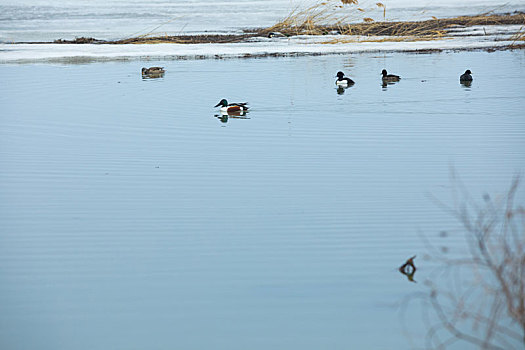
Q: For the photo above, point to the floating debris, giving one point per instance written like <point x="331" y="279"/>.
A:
<point x="409" y="269"/>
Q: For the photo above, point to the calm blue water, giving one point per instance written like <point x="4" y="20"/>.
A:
<point x="133" y="218"/>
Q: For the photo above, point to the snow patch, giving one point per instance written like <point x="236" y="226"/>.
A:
<point x="460" y="38"/>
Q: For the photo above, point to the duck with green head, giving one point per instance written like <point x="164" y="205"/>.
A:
<point x="232" y="107"/>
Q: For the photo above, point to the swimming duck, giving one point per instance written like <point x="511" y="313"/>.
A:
<point x="153" y="71"/>
<point x="342" y="80"/>
<point x="466" y="76"/>
<point x="389" y="77"/>
<point x="276" y="35"/>
<point x="232" y="107"/>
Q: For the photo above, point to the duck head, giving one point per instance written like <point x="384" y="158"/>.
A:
<point x="222" y="103"/>
<point x="340" y="75"/>
<point x="384" y="72"/>
<point x="468" y="71"/>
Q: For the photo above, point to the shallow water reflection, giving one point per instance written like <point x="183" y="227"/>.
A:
<point x="341" y="90"/>
<point x="386" y="84"/>
<point x="224" y="117"/>
<point x="152" y="76"/>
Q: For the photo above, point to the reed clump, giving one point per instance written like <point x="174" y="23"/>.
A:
<point x="346" y="18"/>
<point x="430" y="28"/>
<point x="314" y="20"/>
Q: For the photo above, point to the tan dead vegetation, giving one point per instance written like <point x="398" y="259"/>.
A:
<point x="519" y="36"/>
<point x="433" y="27"/>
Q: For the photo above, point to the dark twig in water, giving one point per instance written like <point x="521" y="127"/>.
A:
<point x="409" y="269"/>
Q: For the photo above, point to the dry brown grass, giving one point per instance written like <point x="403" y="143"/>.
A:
<point x="314" y="19"/>
<point x="519" y="36"/>
<point x="344" y="16"/>
<point x="433" y="27"/>
<point x="326" y="15"/>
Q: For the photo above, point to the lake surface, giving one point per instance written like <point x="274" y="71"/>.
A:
<point x="134" y="218"/>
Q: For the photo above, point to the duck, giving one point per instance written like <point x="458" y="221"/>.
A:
<point x="276" y="35"/>
<point x="389" y="77"/>
<point x="232" y="107"/>
<point x="466" y="76"/>
<point x="342" y="80"/>
<point x="153" y="71"/>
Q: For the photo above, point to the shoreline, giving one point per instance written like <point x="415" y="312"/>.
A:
<point x="79" y="59"/>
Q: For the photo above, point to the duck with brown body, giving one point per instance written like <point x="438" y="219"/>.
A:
<point x="153" y="71"/>
<point x="230" y="108"/>
<point x="466" y="77"/>
<point x="389" y="78"/>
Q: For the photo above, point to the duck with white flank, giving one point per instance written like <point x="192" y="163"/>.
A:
<point x="232" y="107"/>
<point x="389" y="78"/>
<point x="342" y="80"/>
<point x="466" y="77"/>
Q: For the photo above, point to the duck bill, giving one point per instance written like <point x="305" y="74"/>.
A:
<point x="217" y="105"/>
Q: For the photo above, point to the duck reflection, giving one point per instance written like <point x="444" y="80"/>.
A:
<point x="341" y="90"/>
<point x="153" y="72"/>
<point x="409" y="269"/>
<point x="152" y="76"/>
<point x="385" y="84"/>
<point x="222" y="118"/>
<point x="225" y="116"/>
<point x="466" y="84"/>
